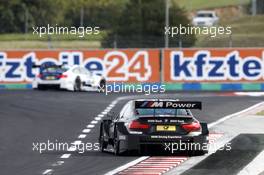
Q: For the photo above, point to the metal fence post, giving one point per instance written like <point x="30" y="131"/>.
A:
<point x="230" y="41"/>
<point x="254" y="7"/>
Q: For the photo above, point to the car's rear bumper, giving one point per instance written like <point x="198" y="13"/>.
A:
<point x="61" y="84"/>
<point x="134" y="142"/>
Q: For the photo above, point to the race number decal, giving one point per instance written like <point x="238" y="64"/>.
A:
<point x="119" y="67"/>
<point x="139" y="66"/>
<point x="116" y="66"/>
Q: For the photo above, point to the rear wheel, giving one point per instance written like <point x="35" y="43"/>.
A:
<point x="199" y="152"/>
<point x="41" y="87"/>
<point x="102" y="86"/>
<point x="142" y="150"/>
<point x="116" y="147"/>
<point x="77" y="84"/>
<point x="116" y="142"/>
<point x="103" y="143"/>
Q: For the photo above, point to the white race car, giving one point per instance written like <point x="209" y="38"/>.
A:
<point x="72" y="78"/>
<point x="205" y="18"/>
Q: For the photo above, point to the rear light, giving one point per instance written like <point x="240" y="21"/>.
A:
<point x="39" y="75"/>
<point x="137" y="125"/>
<point x="62" y="76"/>
<point x="195" y="126"/>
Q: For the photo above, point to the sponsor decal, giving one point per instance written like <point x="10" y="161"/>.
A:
<point x="211" y="65"/>
<point x="165" y="137"/>
<point x="165" y="120"/>
<point x="118" y="66"/>
<point x="169" y="104"/>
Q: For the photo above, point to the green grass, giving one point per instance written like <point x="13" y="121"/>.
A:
<point x="247" y="31"/>
<point x="261" y="113"/>
<point x="247" y="24"/>
<point x="34" y="37"/>
<point x="47" y="45"/>
<point x="30" y="41"/>
<point x="206" y="4"/>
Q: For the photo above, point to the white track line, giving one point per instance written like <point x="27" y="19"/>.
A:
<point x="94" y="122"/>
<point x="72" y="149"/>
<point x="65" y="156"/>
<point x="134" y="162"/>
<point x="101" y="115"/>
<point x="77" y="142"/>
<point x="47" y="171"/>
<point x="252" y="94"/>
<point x="234" y="115"/>
<point x="109" y="107"/>
<point x="255" y="166"/>
<point x="58" y="163"/>
<point x="86" y="130"/>
<point x="81" y="136"/>
<point x="90" y="126"/>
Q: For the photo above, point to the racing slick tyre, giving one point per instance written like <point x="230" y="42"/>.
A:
<point x="102" y="142"/>
<point x="102" y="86"/>
<point x="198" y="152"/>
<point x="142" y="150"/>
<point x="41" y="87"/>
<point x="77" y="84"/>
<point x="116" y="147"/>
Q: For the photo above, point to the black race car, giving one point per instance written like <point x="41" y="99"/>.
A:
<point x="154" y="121"/>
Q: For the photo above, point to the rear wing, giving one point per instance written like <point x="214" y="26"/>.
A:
<point x="46" y="65"/>
<point x="169" y="104"/>
<point x="36" y="66"/>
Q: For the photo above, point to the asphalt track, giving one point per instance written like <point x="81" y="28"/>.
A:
<point x="28" y="116"/>
<point x="231" y="162"/>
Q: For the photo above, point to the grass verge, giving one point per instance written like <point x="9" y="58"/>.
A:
<point x="247" y="31"/>
<point x="261" y="113"/>
<point x="202" y="4"/>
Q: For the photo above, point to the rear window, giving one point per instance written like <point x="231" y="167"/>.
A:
<point x="54" y="70"/>
<point x="205" y="15"/>
<point x="163" y="111"/>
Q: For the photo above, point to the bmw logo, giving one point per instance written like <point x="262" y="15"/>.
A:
<point x="166" y="127"/>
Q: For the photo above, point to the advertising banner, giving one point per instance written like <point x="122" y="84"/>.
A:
<point x="234" y="65"/>
<point x="116" y="65"/>
<point x="180" y="69"/>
